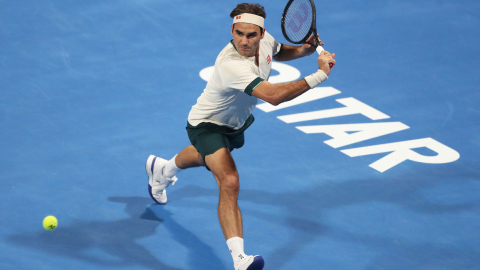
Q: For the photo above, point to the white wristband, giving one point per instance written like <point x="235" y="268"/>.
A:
<point x="316" y="78"/>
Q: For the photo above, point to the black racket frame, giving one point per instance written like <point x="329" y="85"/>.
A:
<point x="313" y="27"/>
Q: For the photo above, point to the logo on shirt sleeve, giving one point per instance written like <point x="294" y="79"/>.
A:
<point x="269" y="59"/>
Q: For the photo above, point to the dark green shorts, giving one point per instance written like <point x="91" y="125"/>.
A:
<point x="207" y="138"/>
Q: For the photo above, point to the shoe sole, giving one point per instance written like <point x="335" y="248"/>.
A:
<point x="149" y="165"/>
<point x="257" y="264"/>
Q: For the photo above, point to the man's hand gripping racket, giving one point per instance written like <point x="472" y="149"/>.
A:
<point x="299" y="23"/>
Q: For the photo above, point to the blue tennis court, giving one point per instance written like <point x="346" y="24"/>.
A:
<point x="377" y="168"/>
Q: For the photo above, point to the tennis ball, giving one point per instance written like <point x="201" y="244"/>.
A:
<point x="50" y="223"/>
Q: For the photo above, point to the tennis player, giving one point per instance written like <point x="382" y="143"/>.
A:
<point x="217" y="122"/>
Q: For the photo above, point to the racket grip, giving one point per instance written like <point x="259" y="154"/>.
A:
<point x="319" y="50"/>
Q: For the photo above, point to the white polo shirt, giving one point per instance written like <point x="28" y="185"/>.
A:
<point x="227" y="99"/>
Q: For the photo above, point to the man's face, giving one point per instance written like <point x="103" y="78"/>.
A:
<point x="246" y="38"/>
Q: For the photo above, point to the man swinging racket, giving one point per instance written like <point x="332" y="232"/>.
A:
<point x="216" y="124"/>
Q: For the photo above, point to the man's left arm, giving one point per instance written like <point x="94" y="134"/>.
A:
<point x="290" y="52"/>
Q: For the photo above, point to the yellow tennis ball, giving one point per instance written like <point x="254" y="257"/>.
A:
<point x="50" y="223"/>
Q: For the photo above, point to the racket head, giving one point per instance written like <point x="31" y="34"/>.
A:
<point x="299" y="21"/>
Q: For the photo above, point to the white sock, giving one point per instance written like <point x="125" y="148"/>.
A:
<point x="235" y="244"/>
<point x="171" y="168"/>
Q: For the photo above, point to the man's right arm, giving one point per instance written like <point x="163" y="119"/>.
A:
<point x="279" y="93"/>
<point x="276" y="94"/>
<point x="290" y="52"/>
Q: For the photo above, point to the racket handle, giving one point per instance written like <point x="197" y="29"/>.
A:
<point x="319" y="50"/>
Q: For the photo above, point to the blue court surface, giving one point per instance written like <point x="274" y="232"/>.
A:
<point x="378" y="168"/>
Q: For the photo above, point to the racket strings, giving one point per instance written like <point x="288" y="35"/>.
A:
<point x="298" y="20"/>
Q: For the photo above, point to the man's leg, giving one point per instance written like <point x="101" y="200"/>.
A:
<point x="223" y="167"/>
<point x="188" y="158"/>
<point x="225" y="172"/>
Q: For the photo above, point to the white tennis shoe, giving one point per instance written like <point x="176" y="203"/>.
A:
<point x="157" y="182"/>
<point x="249" y="263"/>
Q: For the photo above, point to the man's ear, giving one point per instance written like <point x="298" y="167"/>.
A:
<point x="231" y="30"/>
<point x="263" y="33"/>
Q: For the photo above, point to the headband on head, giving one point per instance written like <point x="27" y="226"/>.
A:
<point x="249" y="18"/>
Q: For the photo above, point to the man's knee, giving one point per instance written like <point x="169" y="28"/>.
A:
<point x="230" y="183"/>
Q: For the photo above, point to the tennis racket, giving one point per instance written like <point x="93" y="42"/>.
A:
<point x="299" y="23"/>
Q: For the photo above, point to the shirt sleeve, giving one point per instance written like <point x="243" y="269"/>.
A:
<point x="237" y="75"/>
<point x="276" y="46"/>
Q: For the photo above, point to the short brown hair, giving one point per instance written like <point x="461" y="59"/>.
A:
<point x="256" y="9"/>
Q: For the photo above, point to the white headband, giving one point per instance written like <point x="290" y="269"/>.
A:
<point x="249" y="18"/>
